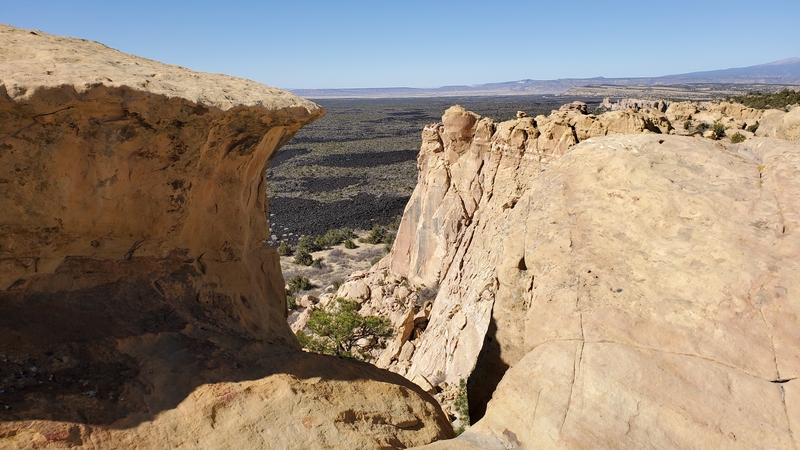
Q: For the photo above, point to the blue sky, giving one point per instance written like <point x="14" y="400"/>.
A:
<point x="338" y="44"/>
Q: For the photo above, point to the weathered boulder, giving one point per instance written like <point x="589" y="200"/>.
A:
<point x="577" y="106"/>
<point x="733" y="110"/>
<point x="355" y="290"/>
<point x="298" y="319"/>
<point x="780" y="124"/>
<point x="406" y="351"/>
<point x="139" y="305"/>
<point x="681" y="111"/>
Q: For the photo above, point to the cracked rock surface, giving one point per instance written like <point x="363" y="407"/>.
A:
<point x="664" y="299"/>
<point x="630" y="291"/>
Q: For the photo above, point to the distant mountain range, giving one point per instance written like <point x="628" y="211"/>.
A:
<point x="783" y="72"/>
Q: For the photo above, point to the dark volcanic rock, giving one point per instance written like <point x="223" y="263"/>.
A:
<point x="311" y="217"/>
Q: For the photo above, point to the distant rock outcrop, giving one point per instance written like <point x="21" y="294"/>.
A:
<point x="780" y="124"/>
<point x="634" y="103"/>
<point x="139" y="306"/>
<point x="635" y="289"/>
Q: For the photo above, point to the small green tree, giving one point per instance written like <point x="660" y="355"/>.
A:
<point x="719" y="130"/>
<point x="336" y="236"/>
<point x="284" y="249"/>
<point x="308" y="244"/>
<point x="299" y="283"/>
<point x="380" y="235"/>
<point x="376" y="235"/>
<point x="303" y="258"/>
<point x="388" y="239"/>
<point x="737" y="138"/>
<point x="339" y="330"/>
<point x="462" y="407"/>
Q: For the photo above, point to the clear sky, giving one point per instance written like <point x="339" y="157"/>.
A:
<point x="347" y="43"/>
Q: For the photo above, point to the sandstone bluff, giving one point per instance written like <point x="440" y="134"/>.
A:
<point x="139" y="307"/>
<point x="620" y="285"/>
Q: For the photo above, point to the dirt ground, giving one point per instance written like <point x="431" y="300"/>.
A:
<point x="337" y="264"/>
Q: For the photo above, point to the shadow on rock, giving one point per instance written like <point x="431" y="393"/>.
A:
<point x="133" y="343"/>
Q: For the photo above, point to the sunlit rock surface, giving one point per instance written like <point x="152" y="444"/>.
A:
<point x="634" y="290"/>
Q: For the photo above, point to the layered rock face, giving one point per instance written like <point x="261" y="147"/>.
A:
<point x="139" y="306"/>
<point x="630" y="291"/>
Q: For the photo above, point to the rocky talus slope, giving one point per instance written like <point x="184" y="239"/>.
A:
<point x="139" y="307"/>
<point x="603" y="280"/>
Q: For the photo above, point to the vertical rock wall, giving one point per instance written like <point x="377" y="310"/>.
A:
<point x="473" y="173"/>
<point x="99" y="180"/>
<point x="623" y="291"/>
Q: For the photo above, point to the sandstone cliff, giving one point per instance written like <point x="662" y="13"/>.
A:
<point x="139" y="306"/>
<point x="634" y="290"/>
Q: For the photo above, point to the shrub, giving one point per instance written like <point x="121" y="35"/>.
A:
<point x="338" y="332"/>
<point x="752" y="128"/>
<point x="719" y="130"/>
<point x="349" y="244"/>
<point x="395" y="223"/>
<point x="317" y="263"/>
<point x="376" y="235"/>
<point x="336" y="236"/>
<point x="305" y="340"/>
<point x="779" y="100"/>
<point x="308" y="244"/>
<point x="291" y="301"/>
<point x="331" y="237"/>
<point x="337" y="256"/>
<point x="302" y="257"/>
<point x="284" y="249"/>
<point x="380" y="235"/>
<point x="299" y="283"/>
<point x="702" y="126"/>
<point x="687" y="124"/>
<point x="737" y="137"/>
<point x="462" y="407"/>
